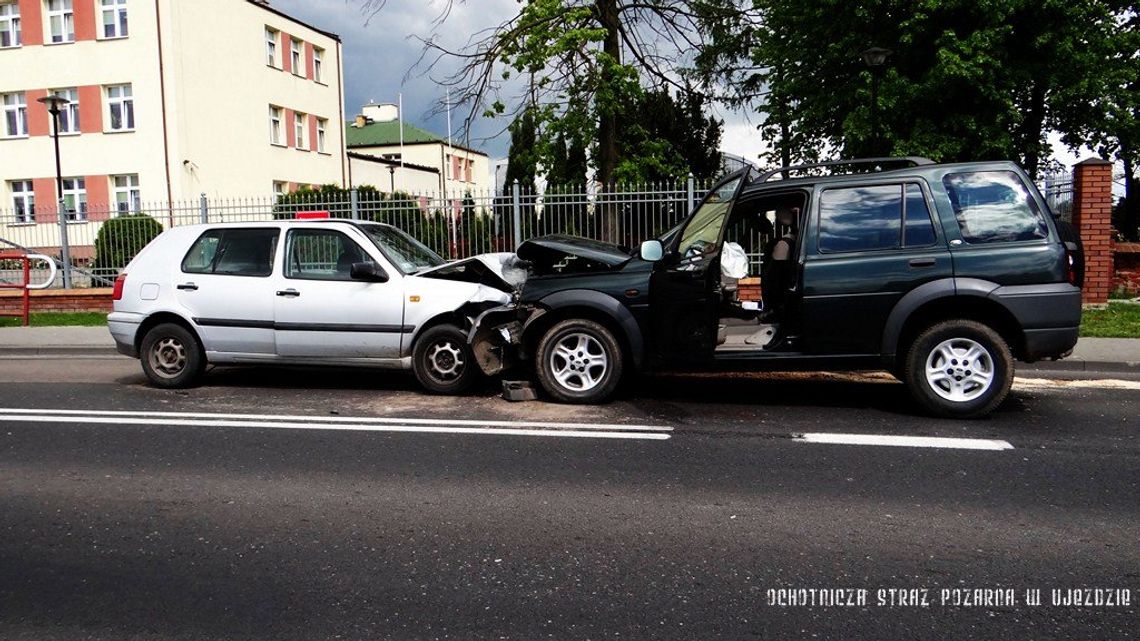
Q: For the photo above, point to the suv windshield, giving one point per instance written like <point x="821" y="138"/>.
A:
<point x="409" y="254"/>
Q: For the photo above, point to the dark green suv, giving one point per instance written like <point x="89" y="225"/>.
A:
<point x="939" y="273"/>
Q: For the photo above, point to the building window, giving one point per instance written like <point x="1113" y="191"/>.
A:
<point x="299" y="131"/>
<point x="295" y="46"/>
<point x="15" y="114"/>
<point x="127" y="197"/>
<point x="69" y="113"/>
<point x="121" y="105"/>
<point x="322" y="124"/>
<point x="114" y="18"/>
<point x="275" y="125"/>
<point x="271" y="47"/>
<point x="9" y="24"/>
<point x="61" y="20"/>
<point x="23" y="200"/>
<point x="75" y="198"/>
<point x="278" y="188"/>
<point x="318" y="59"/>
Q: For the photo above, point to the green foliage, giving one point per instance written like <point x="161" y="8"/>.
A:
<point x="668" y="137"/>
<point x="119" y="239"/>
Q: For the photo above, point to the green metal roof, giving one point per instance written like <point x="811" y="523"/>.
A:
<point x="376" y="134"/>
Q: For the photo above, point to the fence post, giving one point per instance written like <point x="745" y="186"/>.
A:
<point x="354" y="203"/>
<point x="691" y="188"/>
<point x="516" y="213"/>
<point x="203" y="209"/>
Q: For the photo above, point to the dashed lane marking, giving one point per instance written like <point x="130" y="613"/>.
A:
<point x="904" y="441"/>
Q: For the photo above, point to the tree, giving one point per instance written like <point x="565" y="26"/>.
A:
<point x="967" y="79"/>
<point x="120" y="239"/>
<point x="668" y="137"/>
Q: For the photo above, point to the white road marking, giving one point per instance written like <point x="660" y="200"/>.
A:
<point x="905" y="441"/>
<point x="1022" y="384"/>
<point x="351" y="427"/>
<point x="364" y="420"/>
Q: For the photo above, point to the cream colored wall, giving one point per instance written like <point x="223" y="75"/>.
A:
<point x="221" y="124"/>
<point x="412" y="181"/>
<point x="434" y="155"/>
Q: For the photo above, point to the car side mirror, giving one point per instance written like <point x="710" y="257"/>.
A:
<point x="368" y="271"/>
<point x="652" y="251"/>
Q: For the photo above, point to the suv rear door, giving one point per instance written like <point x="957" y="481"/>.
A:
<point x="868" y="245"/>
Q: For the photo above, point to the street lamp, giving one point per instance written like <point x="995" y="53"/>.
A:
<point x="392" y="176"/>
<point x="875" y="58"/>
<point x="54" y="102"/>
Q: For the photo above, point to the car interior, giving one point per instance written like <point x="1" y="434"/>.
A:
<point x="758" y="273"/>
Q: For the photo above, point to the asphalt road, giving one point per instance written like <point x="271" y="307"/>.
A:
<point x="348" y="505"/>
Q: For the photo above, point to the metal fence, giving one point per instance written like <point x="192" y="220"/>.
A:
<point x="103" y="239"/>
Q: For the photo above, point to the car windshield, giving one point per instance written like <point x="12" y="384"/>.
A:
<point x="409" y="254"/>
<point x="703" y="231"/>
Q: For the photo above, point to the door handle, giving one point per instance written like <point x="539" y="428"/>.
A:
<point x="188" y="287"/>
<point x="922" y="262"/>
<point x="289" y="292"/>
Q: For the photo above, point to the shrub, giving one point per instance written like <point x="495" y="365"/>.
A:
<point x="119" y="239"/>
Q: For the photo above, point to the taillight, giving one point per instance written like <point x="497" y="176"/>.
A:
<point x="120" y="281"/>
<point x="1072" y="269"/>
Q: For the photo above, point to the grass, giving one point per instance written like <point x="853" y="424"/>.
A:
<point x="49" y="319"/>
<point x="1120" y="320"/>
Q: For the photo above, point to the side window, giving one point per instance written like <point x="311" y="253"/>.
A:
<point x="994" y="206"/>
<point x="321" y="254"/>
<point x="235" y="252"/>
<point x="703" y="231"/>
<point x="860" y="218"/>
<point x="919" y="229"/>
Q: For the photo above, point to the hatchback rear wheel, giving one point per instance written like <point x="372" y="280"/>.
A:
<point x="171" y="356"/>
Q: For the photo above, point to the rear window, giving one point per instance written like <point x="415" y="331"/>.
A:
<point x="994" y="207"/>
<point x="234" y="252"/>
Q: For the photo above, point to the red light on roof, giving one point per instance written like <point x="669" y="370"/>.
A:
<point x="312" y="215"/>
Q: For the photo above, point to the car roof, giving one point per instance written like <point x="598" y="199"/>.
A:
<point x="931" y="171"/>
<point x="285" y="222"/>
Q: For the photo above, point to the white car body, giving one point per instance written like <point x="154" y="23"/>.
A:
<point x="286" y="320"/>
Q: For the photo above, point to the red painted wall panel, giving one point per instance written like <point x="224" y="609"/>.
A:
<point x="312" y="132"/>
<point x="90" y="109"/>
<point x="290" y="129"/>
<point x="286" y="51"/>
<point x="98" y="197"/>
<point x="85" y="28"/>
<point x="309" y="60"/>
<point x="44" y="189"/>
<point x="39" y="120"/>
<point x="31" y="22"/>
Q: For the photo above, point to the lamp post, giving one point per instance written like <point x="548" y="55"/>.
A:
<point x="54" y="102"/>
<point x="392" y="177"/>
<point x="875" y="58"/>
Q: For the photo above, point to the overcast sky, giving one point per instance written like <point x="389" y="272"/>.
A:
<point x="378" y="56"/>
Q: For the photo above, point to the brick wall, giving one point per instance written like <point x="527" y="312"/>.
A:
<point x="1092" y="217"/>
<point x="58" y="300"/>
<point x="1126" y="263"/>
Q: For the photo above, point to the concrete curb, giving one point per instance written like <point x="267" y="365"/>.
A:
<point x="58" y="350"/>
<point x="1078" y="365"/>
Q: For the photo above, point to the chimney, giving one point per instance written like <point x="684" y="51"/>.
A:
<point x="360" y="121"/>
<point x="380" y="112"/>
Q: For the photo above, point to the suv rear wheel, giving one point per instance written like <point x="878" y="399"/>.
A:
<point x="442" y="360"/>
<point x="959" y="369"/>
<point x="579" y="361"/>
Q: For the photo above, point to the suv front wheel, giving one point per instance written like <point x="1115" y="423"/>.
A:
<point x="579" y="361"/>
<point x="959" y="369"/>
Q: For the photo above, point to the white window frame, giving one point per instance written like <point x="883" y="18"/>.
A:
<point x="59" y="16"/>
<point x="10" y="24"/>
<point x="296" y="55"/>
<point x="117" y="11"/>
<point x="276" y="115"/>
<point x="125" y="191"/>
<point x="23" y="200"/>
<point x="121" y="96"/>
<point x="318" y="59"/>
<point x="299" y="122"/>
<point x="75" y="189"/>
<point x="271" y="38"/>
<point x="322" y="127"/>
<point x="15" y="107"/>
<point x="280" y="188"/>
<point x="69" y="114"/>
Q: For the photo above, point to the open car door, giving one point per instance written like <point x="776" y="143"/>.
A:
<point x="683" y="288"/>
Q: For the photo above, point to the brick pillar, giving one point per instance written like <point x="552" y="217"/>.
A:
<point x="1092" y="218"/>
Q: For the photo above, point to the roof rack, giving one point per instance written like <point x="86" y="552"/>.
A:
<point x="914" y="161"/>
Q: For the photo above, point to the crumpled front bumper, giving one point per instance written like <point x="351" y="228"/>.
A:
<point x="496" y="336"/>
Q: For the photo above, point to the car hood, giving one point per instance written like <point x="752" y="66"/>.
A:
<point x="570" y="254"/>
<point x="499" y="270"/>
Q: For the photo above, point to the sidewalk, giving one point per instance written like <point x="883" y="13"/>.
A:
<point x="1091" y="354"/>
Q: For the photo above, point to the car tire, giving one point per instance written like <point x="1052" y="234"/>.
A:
<point x="443" y="361"/>
<point x="171" y="356"/>
<point x="959" y="369"/>
<point x="579" y="361"/>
